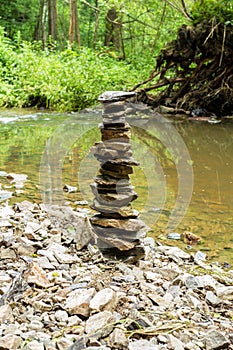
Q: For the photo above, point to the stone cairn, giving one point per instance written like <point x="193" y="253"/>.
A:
<point x="117" y="226"/>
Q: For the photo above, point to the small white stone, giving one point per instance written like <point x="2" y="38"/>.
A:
<point x="66" y="258"/>
<point x="151" y="276"/>
<point x="142" y="345"/>
<point x="10" y="341"/>
<point x="57" y="248"/>
<point x="64" y="343"/>
<point x="78" y="302"/>
<point x="61" y="316"/>
<point x="162" y="338"/>
<point x="36" y="275"/>
<point x="225" y="292"/>
<point x="117" y="339"/>
<point x="5" y="278"/>
<point x="12" y="329"/>
<point x="175" y="342"/>
<point x="36" y="325"/>
<point x="101" y="322"/>
<point x="174" y="251"/>
<point x="48" y="254"/>
<point x="34" y="345"/>
<point x="44" y="263"/>
<point x="104" y="299"/>
<point x="74" y="320"/>
<point x="212" y="299"/>
<point x="5" y="313"/>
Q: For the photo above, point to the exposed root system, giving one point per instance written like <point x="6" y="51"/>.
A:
<point x="194" y="71"/>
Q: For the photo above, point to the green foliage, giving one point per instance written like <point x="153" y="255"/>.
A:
<point x="64" y="80"/>
<point x="19" y="15"/>
<point x="221" y="10"/>
<point x="69" y="79"/>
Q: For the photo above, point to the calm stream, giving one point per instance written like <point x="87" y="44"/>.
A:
<point x="180" y="161"/>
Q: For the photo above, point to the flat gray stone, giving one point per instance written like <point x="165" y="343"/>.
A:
<point x="111" y="96"/>
<point x="174" y="251"/>
<point x="212" y="299"/>
<point x="118" y="340"/>
<point x="109" y="211"/>
<point x="175" y="343"/>
<point x="192" y="282"/>
<point x="225" y="292"/>
<point x="72" y="226"/>
<point x="122" y="224"/>
<point x="142" y="345"/>
<point x="100" y="324"/>
<point x="216" y="341"/>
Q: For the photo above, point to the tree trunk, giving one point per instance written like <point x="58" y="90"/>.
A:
<point x="96" y="24"/>
<point x="74" y="32"/>
<point x="40" y="29"/>
<point x="113" y="33"/>
<point x="52" y="20"/>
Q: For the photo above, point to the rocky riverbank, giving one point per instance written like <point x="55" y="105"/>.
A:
<point x="57" y="294"/>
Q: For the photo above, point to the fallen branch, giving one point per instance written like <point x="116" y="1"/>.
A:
<point x="164" y="83"/>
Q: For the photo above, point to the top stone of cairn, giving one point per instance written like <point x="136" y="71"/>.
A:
<point x="112" y="96"/>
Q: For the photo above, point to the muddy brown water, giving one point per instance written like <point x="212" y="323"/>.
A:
<point x="184" y="181"/>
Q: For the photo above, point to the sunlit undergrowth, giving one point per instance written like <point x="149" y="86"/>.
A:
<point x="66" y="80"/>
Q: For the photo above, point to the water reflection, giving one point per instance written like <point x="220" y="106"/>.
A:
<point x="24" y="139"/>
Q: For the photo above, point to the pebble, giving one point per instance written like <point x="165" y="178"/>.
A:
<point x="61" y="316"/>
<point x="74" y="320"/>
<point x="212" y="299"/>
<point x="142" y="345"/>
<point x="105" y="299"/>
<point x="36" y="325"/>
<point x="78" y="302"/>
<point x="216" y="341"/>
<point x="118" y="339"/>
<point x="101" y="322"/>
<point x="64" y="343"/>
<point x="34" y="345"/>
<point x="192" y="282"/>
<point x="5" y="313"/>
<point x="9" y="342"/>
<point x="225" y="292"/>
<point x="175" y="343"/>
<point x="36" y="275"/>
<point x="174" y="235"/>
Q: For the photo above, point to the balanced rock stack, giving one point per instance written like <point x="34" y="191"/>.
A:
<point x="117" y="225"/>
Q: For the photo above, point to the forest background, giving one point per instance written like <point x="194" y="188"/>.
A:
<point x="62" y="54"/>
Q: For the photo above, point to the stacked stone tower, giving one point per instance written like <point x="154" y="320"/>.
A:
<point x="117" y="225"/>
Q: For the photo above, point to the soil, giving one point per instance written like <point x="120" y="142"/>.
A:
<point x="194" y="71"/>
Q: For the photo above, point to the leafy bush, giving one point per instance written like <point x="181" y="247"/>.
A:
<point x="221" y="10"/>
<point x="73" y="80"/>
<point x="64" y="80"/>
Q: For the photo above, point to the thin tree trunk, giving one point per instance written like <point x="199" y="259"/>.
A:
<point x="74" y="32"/>
<point x="77" y="29"/>
<point x="52" y="20"/>
<point x="40" y="29"/>
<point x="113" y="33"/>
<point x="96" y="24"/>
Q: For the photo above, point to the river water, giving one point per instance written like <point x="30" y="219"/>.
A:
<point x="184" y="181"/>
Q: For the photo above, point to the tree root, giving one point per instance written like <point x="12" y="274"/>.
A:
<point x="194" y="71"/>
